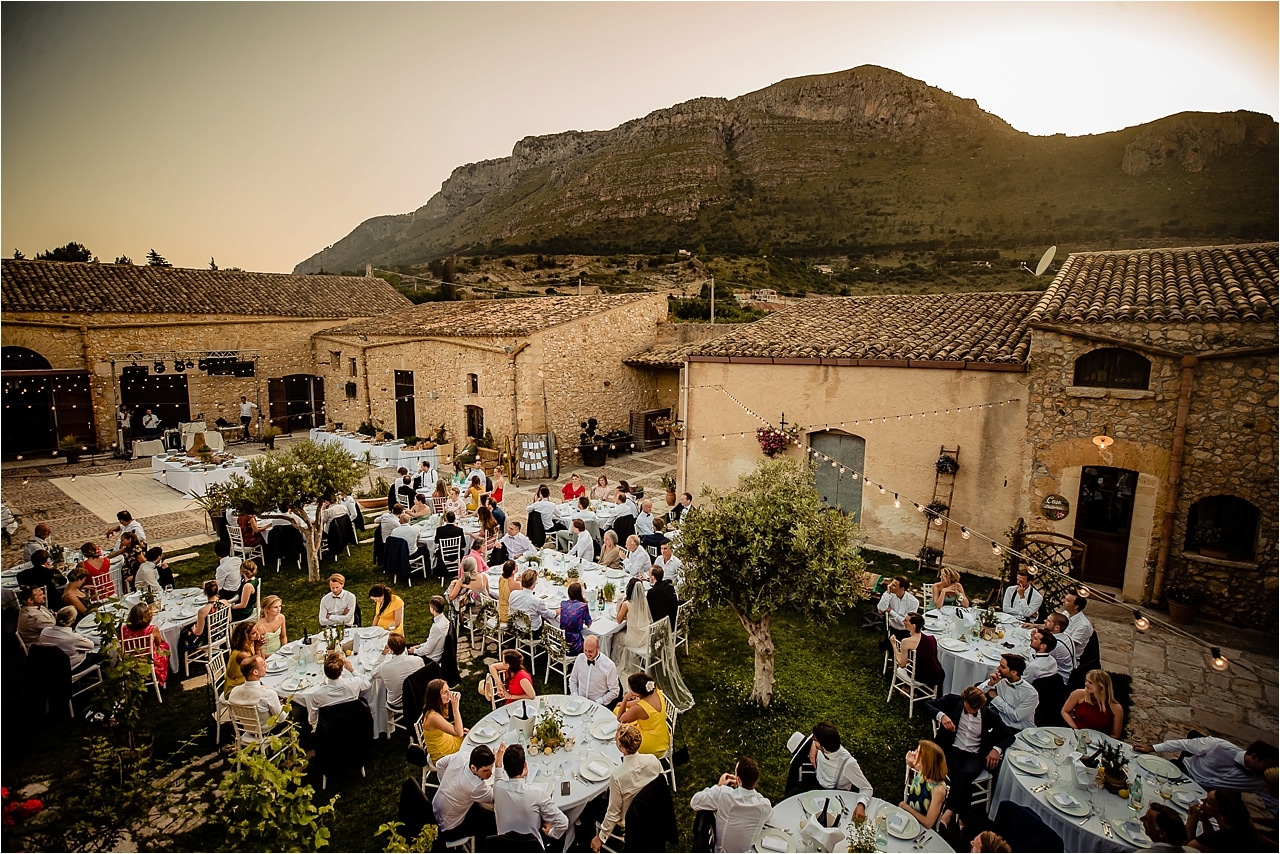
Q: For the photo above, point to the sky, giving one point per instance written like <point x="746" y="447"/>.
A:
<point x="256" y="134"/>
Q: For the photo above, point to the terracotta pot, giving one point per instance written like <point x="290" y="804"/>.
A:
<point x="1183" y="614"/>
<point x="1113" y="783"/>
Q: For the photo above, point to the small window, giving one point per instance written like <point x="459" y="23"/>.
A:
<point x="473" y="383"/>
<point x="1113" y="368"/>
<point x="335" y="359"/>
<point x="1223" y="526"/>
<point x="351" y="391"/>
<point x="354" y="372"/>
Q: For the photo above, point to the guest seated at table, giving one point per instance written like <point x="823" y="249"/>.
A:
<point x="41" y="574"/>
<point x="470" y="588"/>
<point x="928" y="669"/>
<point x="545" y="508"/>
<point x="242" y="606"/>
<point x="450" y="530"/>
<point x="645" y="707"/>
<point x="243" y="646"/>
<point x="897" y="602"/>
<point x="475" y="491"/>
<point x="34" y="616"/>
<point x="989" y="840"/>
<point x="1011" y="696"/>
<point x="467" y="455"/>
<point x="575" y="615"/>
<point x="227" y="572"/>
<point x="583" y="546"/>
<point x="421" y="507"/>
<point x="611" y="556"/>
<point x="623" y="506"/>
<point x="489" y="527"/>
<point x="250" y="530"/>
<point x="456" y="504"/>
<point x="74" y="595"/>
<point x="147" y="578"/>
<point x="40" y="541"/>
<point x="1022" y="600"/>
<point x="659" y="536"/>
<point x="834" y="768"/>
<point x="464" y="802"/>
<point x="403" y="488"/>
<point x="1234" y="831"/>
<point x="95" y="563"/>
<point x="973" y="738"/>
<point x="637" y="770"/>
<point x="194" y="635"/>
<point x="425" y="479"/>
<point x="433" y="646"/>
<point x="671" y="565"/>
<point x="1094" y="706"/>
<point x="515" y="542"/>
<point x="948" y="590"/>
<point x="137" y="625"/>
<point x="338" y="606"/>
<point x="645" y="526"/>
<point x="635" y="617"/>
<point x="1216" y="763"/>
<point x="662" y="598"/>
<point x="390" y="520"/>
<point x="498" y="516"/>
<point x="520" y="809"/>
<point x="926" y="789"/>
<point x="251" y="692"/>
<point x="477" y="556"/>
<point x="442" y="729"/>
<point x="507" y="680"/>
<point x="528" y="602"/>
<point x="125" y="522"/>
<point x="270" y="629"/>
<point x="741" y="811"/>
<point x="505" y="585"/>
<point x="594" y="675"/>
<point x="337" y="688"/>
<point x="409" y="532"/>
<point x="388" y="610"/>
<point x="602" y="491"/>
<point x="1041" y="664"/>
<point x="583" y="510"/>
<point x="637" y="562"/>
<point x="683" y="503"/>
<point x="1165" y="828"/>
<point x="79" y="649"/>
<point x="395" y="668"/>
<point x="574" y="488"/>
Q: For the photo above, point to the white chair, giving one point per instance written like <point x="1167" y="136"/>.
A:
<point x="613" y="838"/>
<point x="430" y="767"/>
<point x="981" y="783"/>
<point x="906" y="786"/>
<point x="217" y="633"/>
<point x="491" y="628"/>
<point x="76" y="676"/>
<point x="668" y="765"/>
<point x="450" y="555"/>
<point x="142" y="647"/>
<point x="907" y="686"/>
<point x="101" y="588"/>
<point x="22" y="645"/>
<point x="681" y="638"/>
<point x="653" y="551"/>
<point x="217" y="684"/>
<point x="240" y="550"/>
<point x="926" y="598"/>
<point x="521" y="628"/>
<point x="437" y="504"/>
<point x="888" y="653"/>
<point x="250" y="730"/>
<point x="557" y="649"/>
<point x="417" y="563"/>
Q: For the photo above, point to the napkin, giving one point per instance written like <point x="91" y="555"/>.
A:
<point x="825" y="838"/>
<point x="897" y="822"/>
<point x="598" y="768"/>
<point x="1063" y="800"/>
<point x="1185" y="798"/>
<point x="773" y="843"/>
<point x="1133" y="828"/>
<point x="483" y="732"/>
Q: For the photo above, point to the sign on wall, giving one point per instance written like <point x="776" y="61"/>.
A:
<point x="1055" y="507"/>
<point x="535" y="455"/>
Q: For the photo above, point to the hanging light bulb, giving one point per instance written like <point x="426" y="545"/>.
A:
<point x="1219" y="660"/>
<point x="119" y="475"/>
<point x="896" y="502"/>
<point x="1140" y="622"/>
<point x="882" y="489"/>
<point x="937" y="520"/>
<point x="1102" y="440"/>
<point x="1083" y="592"/>
<point x="995" y="547"/>
<point x="919" y="507"/>
<point x="25" y="481"/>
<point x="964" y="532"/>
<point x="73" y="478"/>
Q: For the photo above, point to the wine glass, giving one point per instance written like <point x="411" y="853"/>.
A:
<point x="1166" y="790"/>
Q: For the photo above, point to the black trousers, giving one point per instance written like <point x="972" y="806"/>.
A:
<point x="245" y="420"/>
<point x="478" y="822"/>
<point x="964" y="768"/>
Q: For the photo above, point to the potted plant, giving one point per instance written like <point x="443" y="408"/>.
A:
<point x="591" y="445"/>
<point x="548" y="732"/>
<point x="269" y="434"/>
<point x="1184" y="600"/>
<point x="772" y="441"/>
<point x="609" y="591"/>
<point x="669" y="486"/>
<point x="947" y="464"/>
<point x="935" y="508"/>
<point x="929" y="557"/>
<point x="1208" y="539"/>
<point x="215" y="503"/>
<point x="444" y="448"/>
<point x="72" y="447"/>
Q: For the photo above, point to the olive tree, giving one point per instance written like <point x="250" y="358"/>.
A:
<point x="769" y="544"/>
<point x="305" y="474"/>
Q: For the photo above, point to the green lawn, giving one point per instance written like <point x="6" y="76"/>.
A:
<point x="824" y="671"/>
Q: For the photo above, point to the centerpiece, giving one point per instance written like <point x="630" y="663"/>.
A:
<point x="548" y="731"/>
<point x="335" y="637"/>
<point x="989" y="625"/>
<point x="1111" y="768"/>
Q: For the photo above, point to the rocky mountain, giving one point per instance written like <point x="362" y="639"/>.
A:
<point x="836" y="163"/>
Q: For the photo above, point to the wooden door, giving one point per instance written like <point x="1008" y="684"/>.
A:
<point x="475" y="422"/>
<point x="1104" y="512"/>
<point x="406" y="415"/>
<point x="836" y="489"/>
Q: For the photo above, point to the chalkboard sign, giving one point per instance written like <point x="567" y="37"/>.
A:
<point x="1055" y="507"/>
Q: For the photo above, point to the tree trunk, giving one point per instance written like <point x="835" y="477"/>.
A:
<point x="760" y="638"/>
<point x="312" y="538"/>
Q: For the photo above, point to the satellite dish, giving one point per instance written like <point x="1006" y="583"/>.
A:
<point x="1046" y="259"/>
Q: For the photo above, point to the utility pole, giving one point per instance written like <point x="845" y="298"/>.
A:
<point x="713" y="300"/>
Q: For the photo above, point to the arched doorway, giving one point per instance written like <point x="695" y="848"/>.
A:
<point x="1104" y="517"/>
<point x="42" y="405"/>
<point x="836" y="489"/>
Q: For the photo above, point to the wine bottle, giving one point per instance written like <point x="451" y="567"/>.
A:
<point x="306" y="638"/>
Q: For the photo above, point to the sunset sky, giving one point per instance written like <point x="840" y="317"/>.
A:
<point x="259" y="133"/>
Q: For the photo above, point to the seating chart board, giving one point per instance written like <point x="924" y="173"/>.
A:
<point x="535" y="455"/>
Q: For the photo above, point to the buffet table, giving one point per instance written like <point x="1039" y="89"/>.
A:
<point x="191" y="476"/>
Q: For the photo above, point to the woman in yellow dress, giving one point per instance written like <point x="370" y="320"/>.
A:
<point x="440" y="736"/>
<point x="646" y="709"/>
<point x="243" y="645"/>
<point x="388" y="609"/>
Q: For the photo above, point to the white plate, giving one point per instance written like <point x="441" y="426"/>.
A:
<point x="1008" y="619"/>
<point x="186" y="615"/>
<point x="1159" y="766"/>
<point x="1184" y="798"/>
<point x="604" y="728"/>
<point x="614" y="573"/>
<point x="277" y="665"/>
<point x="773" y="840"/>
<point x="1072" y="805"/>
<point x="370" y="633"/>
<point x="1037" y="737"/>
<point x="592" y="775"/>
<point x="910" y="828"/>
<point x="1131" y="831"/>
<point x="485" y="734"/>
<point x="1028" y="764"/>
<point x="577" y="706"/>
<point x="952" y="644"/>
<point x="293" y="683"/>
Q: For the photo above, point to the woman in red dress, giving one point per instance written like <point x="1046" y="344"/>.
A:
<point x="1094" y="706"/>
<point x="573" y="489"/>
<point x="138" y="625"/>
<point x="95" y="562"/>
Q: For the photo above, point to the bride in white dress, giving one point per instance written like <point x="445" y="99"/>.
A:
<point x="646" y="647"/>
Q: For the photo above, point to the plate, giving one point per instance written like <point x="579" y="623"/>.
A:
<point x="952" y="644"/>
<point x="906" y="824"/>
<point x="1028" y="764"/>
<point x="293" y="683"/>
<point x="186" y="614"/>
<point x="577" y="706"/>
<point x="277" y="665"/>
<point x="1159" y="766"/>
<point x="1008" y="619"/>
<point x="1184" y="798"/>
<point x="593" y="774"/>
<point x="1066" y="802"/>
<point x="1037" y="737"/>
<point x="1131" y="831"/>
<point x="773" y="840"/>
<point x="604" y="728"/>
<point x="485" y="734"/>
<point x="614" y="573"/>
<point x="370" y="633"/>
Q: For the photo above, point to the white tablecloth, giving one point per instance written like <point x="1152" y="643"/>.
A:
<point x="383" y="453"/>
<point x="789" y="817"/>
<point x="180" y="607"/>
<point x="147" y="447"/>
<point x="592" y="576"/>
<point x="1013" y="784"/>
<point x="976" y="659"/>
<point x="604" y="512"/>
<point x="302" y="673"/>
<point x="561" y="765"/>
<point x="174" y="473"/>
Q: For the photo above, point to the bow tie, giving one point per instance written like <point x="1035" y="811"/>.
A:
<point x="591" y="662"/>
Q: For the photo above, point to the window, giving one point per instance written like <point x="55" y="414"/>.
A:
<point x="1223" y="526"/>
<point x="351" y="391"/>
<point x="335" y="359"/>
<point x="1113" y="367"/>
<point x="22" y="359"/>
<point x="473" y="383"/>
<point x="354" y="372"/>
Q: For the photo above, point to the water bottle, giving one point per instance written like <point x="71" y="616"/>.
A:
<point x="882" y="833"/>
<point x="1135" y="794"/>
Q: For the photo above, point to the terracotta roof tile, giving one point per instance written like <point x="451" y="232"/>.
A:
<point x="968" y="327"/>
<point x="110" y="288"/>
<point x="663" y="355"/>
<point x="491" y="318"/>
<point x="1196" y="284"/>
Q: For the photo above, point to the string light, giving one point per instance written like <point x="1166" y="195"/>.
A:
<point x="964" y="532"/>
<point x="1140" y="622"/>
<point x="995" y="547"/>
<point x="1219" y="660"/>
<point x="896" y="502"/>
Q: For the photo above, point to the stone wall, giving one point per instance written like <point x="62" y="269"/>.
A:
<point x="1230" y="448"/>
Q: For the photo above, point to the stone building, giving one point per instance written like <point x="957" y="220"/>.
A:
<point x="80" y="338"/>
<point x="529" y="365"/>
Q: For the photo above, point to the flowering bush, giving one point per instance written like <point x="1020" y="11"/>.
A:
<point x="772" y="441"/>
<point x="16" y="811"/>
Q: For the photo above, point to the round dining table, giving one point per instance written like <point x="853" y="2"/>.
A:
<point x="295" y="671"/>
<point x="965" y="658"/>
<point x="788" y="829"/>
<point x="551" y="566"/>
<point x="573" y="776"/>
<point x="1050" y="780"/>
<point x="177" y="611"/>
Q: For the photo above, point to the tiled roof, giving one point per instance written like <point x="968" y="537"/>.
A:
<point x="100" y="288"/>
<point x="1171" y="285"/>
<point x="502" y="318"/>
<point x="663" y="355"/>
<point x="968" y="327"/>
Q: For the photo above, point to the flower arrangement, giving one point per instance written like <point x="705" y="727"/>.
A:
<point x="861" y="835"/>
<point x="936" y="508"/>
<point x="334" y="636"/>
<point x="548" y="731"/>
<point x="772" y="440"/>
<point x="608" y="590"/>
<point x="989" y="625"/>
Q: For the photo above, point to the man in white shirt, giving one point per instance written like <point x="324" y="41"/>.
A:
<point x="34" y="617"/>
<point x="625" y="506"/>
<point x="1011" y="696"/>
<point x="520" y="808"/>
<point x="389" y="521"/>
<point x="410" y="533"/>
<point x="584" y="511"/>
<point x="1065" y="650"/>
<point x="148" y="574"/>
<point x="594" y="676"/>
<point x="433" y="646"/>
<point x="150" y="424"/>
<point x="1079" y="629"/>
<point x="583" y="546"/>
<point x="1216" y="763"/>
<point x="898" y="602"/>
<point x="741" y="811"/>
<point x="396" y="667"/>
<point x="515" y="542"/>
<point x="528" y="602"/>
<point x="38" y="542"/>
<point x="425" y="479"/>
<point x="338" y="687"/>
<point x="1041" y="662"/>
<point x="644" y="520"/>
<point x="1022" y="600"/>
<point x="671" y="565"/>
<point x="252" y="692"/>
<point x="545" y="508"/>
<point x="338" y="608"/>
<point x="246" y="414"/>
<point x="836" y="768"/>
<point x="464" y="802"/>
<point x="79" y="649"/>
<point x="227" y="572"/>
<point x="126" y="523"/>
<point x="627" y="779"/>
<point x="637" y="561"/>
